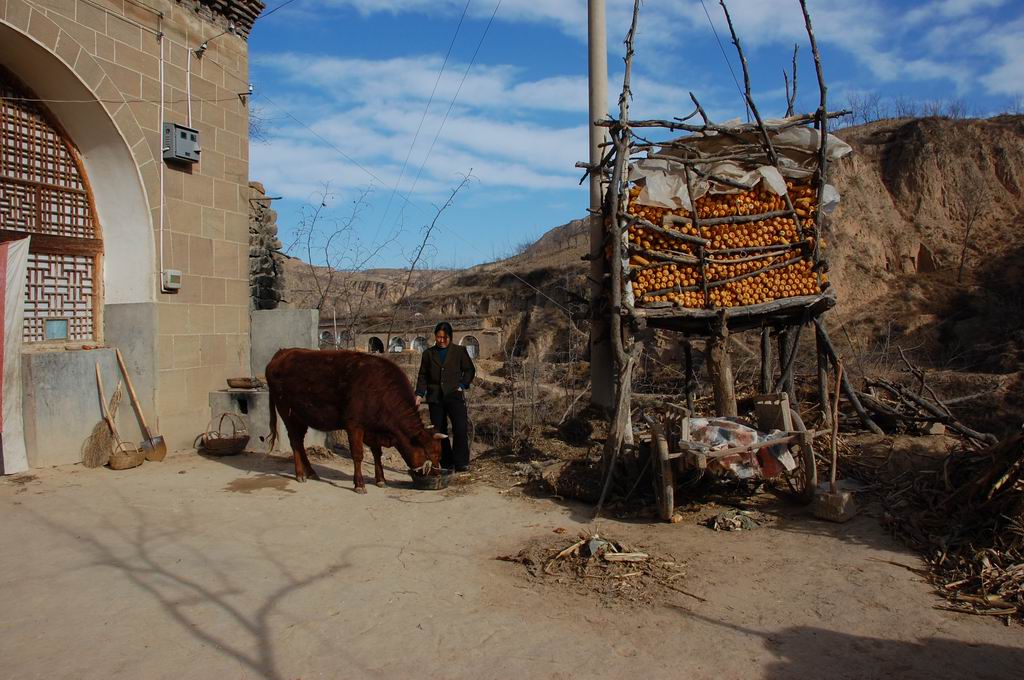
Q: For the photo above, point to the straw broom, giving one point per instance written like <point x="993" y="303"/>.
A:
<point x="100" y="443"/>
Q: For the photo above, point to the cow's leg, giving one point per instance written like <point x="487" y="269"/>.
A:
<point x="296" y="437"/>
<point x="355" y="444"/>
<point x="309" y="466"/>
<point x="378" y="466"/>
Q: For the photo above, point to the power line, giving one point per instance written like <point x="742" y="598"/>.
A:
<point x="451" y="104"/>
<point x="324" y="139"/>
<point x="281" y="6"/>
<point x="406" y="199"/>
<point x="419" y="127"/>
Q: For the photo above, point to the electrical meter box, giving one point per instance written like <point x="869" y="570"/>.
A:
<point x="171" y="280"/>
<point x="181" y="144"/>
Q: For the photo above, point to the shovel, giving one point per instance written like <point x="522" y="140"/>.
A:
<point x="154" y="447"/>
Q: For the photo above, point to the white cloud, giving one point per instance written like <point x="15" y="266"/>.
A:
<point x="412" y="79"/>
<point x="949" y="9"/>
<point x="943" y="38"/>
<point x="522" y="133"/>
<point x="880" y="35"/>
<point x="370" y="109"/>
<point x="1005" y="43"/>
<point x="569" y="15"/>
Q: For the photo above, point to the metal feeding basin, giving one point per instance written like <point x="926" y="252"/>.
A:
<point x="437" y="478"/>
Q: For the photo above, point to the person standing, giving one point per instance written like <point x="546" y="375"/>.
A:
<point x="446" y="371"/>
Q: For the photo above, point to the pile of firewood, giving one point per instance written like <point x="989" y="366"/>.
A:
<point x="968" y="522"/>
<point x="898" y="408"/>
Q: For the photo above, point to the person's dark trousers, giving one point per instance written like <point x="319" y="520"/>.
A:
<point x="455" y="449"/>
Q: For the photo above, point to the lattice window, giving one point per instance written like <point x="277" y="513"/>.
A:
<point x="59" y="287"/>
<point x="44" y="192"/>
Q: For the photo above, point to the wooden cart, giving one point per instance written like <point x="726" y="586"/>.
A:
<point x="673" y="452"/>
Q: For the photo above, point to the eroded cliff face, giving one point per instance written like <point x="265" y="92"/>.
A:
<point x="910" y="191"/>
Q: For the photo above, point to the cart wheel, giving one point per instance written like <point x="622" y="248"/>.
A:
<point x="664" y="477"/>
<point x="803" y="480"/>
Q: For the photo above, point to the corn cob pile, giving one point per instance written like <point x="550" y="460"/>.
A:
<point x="766" y="253"/>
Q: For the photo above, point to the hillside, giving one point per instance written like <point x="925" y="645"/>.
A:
<point x="910" y="191"/>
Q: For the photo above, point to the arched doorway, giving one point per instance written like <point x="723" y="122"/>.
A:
<point x="44" y="193"/>
<point x="345" y="340"/>
<point x="327" y="339"/>
<point x="419" y="344"/>
<point x="396" y="345"/>
<point x="114" y="179"/>
<point x="472" y="346"/>
<point x="375" y="345"/>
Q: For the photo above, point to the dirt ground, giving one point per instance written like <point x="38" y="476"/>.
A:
<point x="207" y="568"/>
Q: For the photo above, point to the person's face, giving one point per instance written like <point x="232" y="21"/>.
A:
<point x="442" y="339"/>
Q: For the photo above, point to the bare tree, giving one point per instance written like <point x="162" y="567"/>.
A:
<point x="574" y="295"/>
<point x="905" y="107"/>
<point x="321" y="237"/>
<point x="957" y="109"/>
<point x="866" y="107"/>
<point x="330" y="244"/>
<point x="257" y="124"/>
<point x="791" y="92"/>
<point x="513" y="366"/>
<point x="424" y="245"/>
<point x="973" y="205"/>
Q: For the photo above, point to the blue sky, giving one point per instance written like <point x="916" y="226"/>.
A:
<point x="342" y="86"/>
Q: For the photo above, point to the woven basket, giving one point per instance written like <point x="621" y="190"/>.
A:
<point x="126" y="456"/>
<point x="217" y="442"/>
<point x="245" y="383"/>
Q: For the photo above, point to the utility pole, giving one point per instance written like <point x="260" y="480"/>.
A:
<point x="601" y="364"/>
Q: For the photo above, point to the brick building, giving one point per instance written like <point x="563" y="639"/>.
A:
<point x="88" y="87"/>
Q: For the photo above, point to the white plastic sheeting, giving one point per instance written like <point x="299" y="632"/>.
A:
<point x="663" y="182"/>
<point x="13" y="263"/>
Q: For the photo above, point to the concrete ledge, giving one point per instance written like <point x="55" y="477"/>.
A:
<point x="60" y="403"/>
<point x="253" y="407"/>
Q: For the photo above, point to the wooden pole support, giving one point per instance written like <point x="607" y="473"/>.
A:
<point x="691" y="377"/>
<point x="851" y="395"/>
<point x="822" y="355"/>
<point x="787" y="352"/>
<point x="765" y="383"/>
<point x="720" y="368"/>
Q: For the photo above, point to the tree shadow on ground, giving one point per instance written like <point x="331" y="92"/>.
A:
<point x="137" y="552"/>
<point x="809" y="652"/>
<point x="203" y="594"/>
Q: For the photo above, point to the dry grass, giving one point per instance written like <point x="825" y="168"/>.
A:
<point x="640" y="579"/>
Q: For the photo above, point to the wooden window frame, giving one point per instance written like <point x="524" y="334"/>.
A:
<point x="46" y="243"/>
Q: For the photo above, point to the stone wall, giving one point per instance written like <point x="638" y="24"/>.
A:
<point x="118" y="51"/>
<point x="242" y="12"/>
<point x="266" y="271"/>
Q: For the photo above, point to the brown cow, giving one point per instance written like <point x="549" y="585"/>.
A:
<point x="367" y="396"/>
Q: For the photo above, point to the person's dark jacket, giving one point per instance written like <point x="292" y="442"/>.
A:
<point x="437" y="382"/>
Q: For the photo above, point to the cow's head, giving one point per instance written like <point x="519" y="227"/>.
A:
<point x="426" y="448"/>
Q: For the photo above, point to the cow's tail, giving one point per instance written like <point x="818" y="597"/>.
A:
<point x="272" y="439"/>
